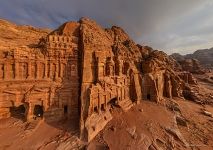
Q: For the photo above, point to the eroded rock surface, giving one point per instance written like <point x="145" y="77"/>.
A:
<point x="204" y="56"/>
<point x="192" y="65"/>
<point x="80" y="72"/>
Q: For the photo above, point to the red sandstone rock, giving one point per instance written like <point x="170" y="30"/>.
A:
<point x="80" y="71"/>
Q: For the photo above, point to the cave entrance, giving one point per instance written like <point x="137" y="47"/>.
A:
<point x="148" y="96"/>
<point x="38" y="111"/>
<point x="113" y="102"/>
<point x="18" y="112"/>
<point x="102" y="107"/>
<point x="96" y="109"/>
<point x="65" y="110"/>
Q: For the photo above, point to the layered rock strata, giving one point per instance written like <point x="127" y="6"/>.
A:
<point x="80" y="72"/>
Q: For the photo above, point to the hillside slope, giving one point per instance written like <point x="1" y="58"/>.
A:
<point x="131" y="97"/>
<point x="12" y="35"/>
<point x="204" y="56"/>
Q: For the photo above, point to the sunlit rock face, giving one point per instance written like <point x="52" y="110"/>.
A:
<point x="79" y="71"/>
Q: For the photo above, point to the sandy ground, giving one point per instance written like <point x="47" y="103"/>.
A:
<point x="156" y="126"/>
<point x="145" y="126"/>
<point x="17" y="135"/>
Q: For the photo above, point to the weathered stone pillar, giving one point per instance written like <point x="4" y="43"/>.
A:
<point x="101" y="70"/>
<point x="29" y="70"/>
<point x="57" y="71"/>
<point x="127" y="92"/>
<point x="61" y="70"/>
<point x="51" y="96"/>
<point x="186" y="78"/>
<point x="123" y="92"/>
<point x="16" y="69"/>
<point x="6" y="69"/>
<point x="120" y="67"/>
<point x="137" y="88"/>
<point x="105" y="102"/>
<point x="45" y="69"/>
<point x="50" y="71"/>
<point x="111" y="70"/>
<point x="99" y="103"/>
<point x="29" y="112"/>
<point x="46" y="101"/>
<point x="37" y="70"/>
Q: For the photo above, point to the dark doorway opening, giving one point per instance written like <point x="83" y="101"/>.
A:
<point x="18" y="112"/>
<point x="38" y="111"/>
<point x="65" y="109"/>
<point x="113" y="102"/>
<point x="188" y="95"/>
<point x="96" y="109"/>
<point x="148" y="97"/>
<point x="102" y="107"/>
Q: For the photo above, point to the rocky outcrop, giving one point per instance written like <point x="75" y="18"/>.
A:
<point x="13" y="36"/>
<point x="192" y="65"/>
<point x="41" y="81"/>
<point x="204" y="56"/>
<point x="159" y="79"/>
<point x="187" y="77"/>
<point x="80" y="72"/>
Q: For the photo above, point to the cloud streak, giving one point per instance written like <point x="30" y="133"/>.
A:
<point x="169" y="25"/>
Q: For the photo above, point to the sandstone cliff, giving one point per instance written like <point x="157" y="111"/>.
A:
<point x="13" y="36"/>
<point x="80" y="72"/>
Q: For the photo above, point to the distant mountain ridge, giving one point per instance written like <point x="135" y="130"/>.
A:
<point x="204" y="56"/>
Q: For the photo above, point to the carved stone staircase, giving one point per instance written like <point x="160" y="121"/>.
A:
<point x="125" y="104"/>
<point x="32" y="125"/>
<point x="29" y="127"/>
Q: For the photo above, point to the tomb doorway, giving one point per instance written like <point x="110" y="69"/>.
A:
<point x="18" y="112"/>
<point x="38" y="111"/>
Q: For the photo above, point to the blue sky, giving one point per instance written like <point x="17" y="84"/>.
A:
<point x="170" y="25"/>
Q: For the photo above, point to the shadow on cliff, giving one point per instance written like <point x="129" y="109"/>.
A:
<point x="64" y="110"/>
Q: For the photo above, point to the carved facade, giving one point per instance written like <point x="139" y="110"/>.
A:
<point x="44" y="79"/>
<point x="80" y="72"/>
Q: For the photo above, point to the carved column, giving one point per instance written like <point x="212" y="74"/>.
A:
<point x="56" y="71"/>
<point x="6" y="76"/>
<point x="37" y="70"/>
<point x="105" y="102"/>
<point x="101" y="69"/>
<point x="116" y="92"/>
<point x="29" y="69"/>
<point x="16" y="69"/>
<point x="29" y="112"/>
<point x="61" y="70"/>
<point x="99" y="103"/>
<point x="50" y="70"/>
<point x="46" y="101"/>
<point x="51" y="96"/>
<point x="120" y="67"/>
<point x="111" y="70"/>
<point x="126" y="89"/>
<point x="45" y="69"/>
<point x="104" y="69"/>
<point x="121" y="93"/>
<point x="124" y="92"/>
